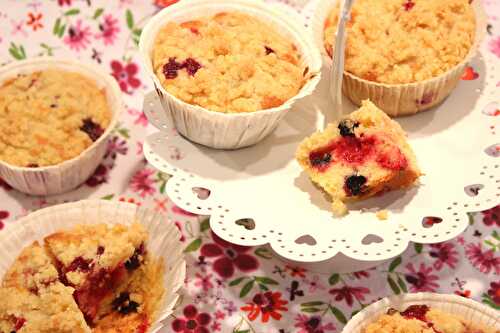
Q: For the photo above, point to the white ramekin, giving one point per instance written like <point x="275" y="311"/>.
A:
<point x="69" y="174"/>
<point x="216" y="129"/>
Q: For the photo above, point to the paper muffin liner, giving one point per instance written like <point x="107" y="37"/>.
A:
<point x="398" y="99"/>
<point x="234" y="130"/>
<point x="469" y="309"/>
<point x="69" y="174"/>
<point x="163" y="241"/>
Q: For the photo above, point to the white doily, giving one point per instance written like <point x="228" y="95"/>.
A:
<point x="260" y="195"/>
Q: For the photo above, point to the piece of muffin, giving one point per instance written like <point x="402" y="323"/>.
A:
<point x="37" y="301"/>
<point x="50" y="116"/>
<point x="229" y="62"/>
<point x="423" y="319"/>
<point x="404" y="41"/>
<point x="364" y="154"/>
<point x="96" y="260"/>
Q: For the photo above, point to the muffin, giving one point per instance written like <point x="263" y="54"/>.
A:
<point x="362" y="155"/>
<point x="405" y="55"/>
<point x="56" y="116"/>
<point x="49" y="117"/>
<point x="92" y="278"/>
<point x="424" y="319"/>
<point x="227" y="71"/>
<point x="38" y="301"/>
<point x="229" y="62"/>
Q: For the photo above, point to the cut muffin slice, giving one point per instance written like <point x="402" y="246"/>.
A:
<point x="364" y="154"/>
<point x="96" y="260"/>
<point x="37" y="301"/>
<point x="134" y="305"/>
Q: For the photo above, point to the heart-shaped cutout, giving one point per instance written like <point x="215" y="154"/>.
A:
<point x="306" y="239"/>
<point x="492" y="109"/>
<point x="371" y="238"/>
<point x="429" y="221"/>
<point x="493" y="150"/>
<point x="473" y="190"/>
<point x="247" y="223"/>
<point x="201" y="192"/>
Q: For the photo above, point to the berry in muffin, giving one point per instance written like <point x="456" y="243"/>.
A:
<point x="230" y="62"/>
<point x="424" y="319"/>
<point x="360" y="156"/>
<point x="403" y="41"/>
<point x="50" y="116"/>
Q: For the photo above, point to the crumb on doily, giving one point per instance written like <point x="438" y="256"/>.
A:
<point x="382" y="215"/>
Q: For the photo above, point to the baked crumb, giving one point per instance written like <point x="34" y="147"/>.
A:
<point x="382" y="215"/>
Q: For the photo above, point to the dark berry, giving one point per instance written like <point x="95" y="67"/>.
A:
<point x="320" y="160"/>
<point x="347" y="126"/>
<point x="80" y="264"/>
<point x="100" y="250"/>
<point x="124" y="305"/>
<point x="170" y="68"/>
<point x="415" y="311"/>
<point x="136" y="259"/>
<point x="191" y="66"/>
<point x="268" y="50"/>
<point x="93" y="130"/>
<point x="355" y="185"/>
<point x="33" y="165"/>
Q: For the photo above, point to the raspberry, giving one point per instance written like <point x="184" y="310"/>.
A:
<point x="415" y="311"/>
<point x="170" y="69"/>
<point x="191" y="66"/>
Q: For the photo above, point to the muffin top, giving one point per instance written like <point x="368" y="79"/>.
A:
<point x="229" y="62"/>
<point x="50" y="116"/>
<point x="404" y="41"/>
<point x="423" y="319"/>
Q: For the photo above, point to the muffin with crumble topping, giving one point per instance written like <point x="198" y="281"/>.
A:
<point x="404" y="55"/>
<point x="49" y="117"/>
<point x="229" y="62"/>
<point x="227" y="71"/>
<point x="56" y="116"/>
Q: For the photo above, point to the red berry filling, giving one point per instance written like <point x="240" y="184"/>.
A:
<point x="415" y="312"/>
<point x="18" y="323"/>
<point x="93" y="130"/>
<point x="408" y="5"/>
<point x="354" y="151"/>
<point x="171" y="68"/>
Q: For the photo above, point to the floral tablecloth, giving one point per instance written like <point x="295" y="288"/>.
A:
<point x="228" y="288"/>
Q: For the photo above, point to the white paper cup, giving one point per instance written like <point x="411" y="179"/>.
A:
<point x="397" y="99"/>
<point x="470" y="310"/>
<point x="216" y="129"/>
<point x="69" y="174"/>
<point x="163" y="241"/>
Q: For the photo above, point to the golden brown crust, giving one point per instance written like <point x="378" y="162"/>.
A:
<point x="245" y="64"/>
<point x="379" y="48"/>
<point x="41" y="116"/>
